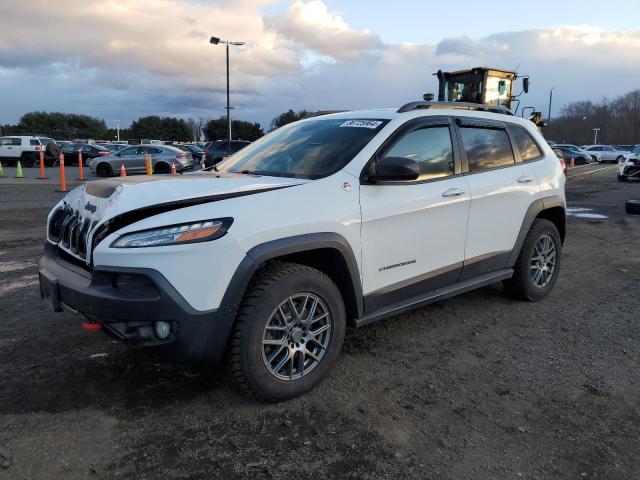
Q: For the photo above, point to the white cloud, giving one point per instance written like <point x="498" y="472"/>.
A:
<point x="126" y="58"/>
<point x="315" y="27"/>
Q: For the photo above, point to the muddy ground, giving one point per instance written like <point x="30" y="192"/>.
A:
<point x="480" y="386"/>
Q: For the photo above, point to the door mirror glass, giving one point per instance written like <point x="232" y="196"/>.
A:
<point x="395" y="169"/>
<point x="525" y="84"/>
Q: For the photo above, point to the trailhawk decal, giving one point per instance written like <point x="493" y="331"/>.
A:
<point x="372" y="124"/>
<point x="396" y="265"/>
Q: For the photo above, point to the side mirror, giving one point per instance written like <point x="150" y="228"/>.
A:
<point x="395" y="169"/>
<point x="525" y="84"/>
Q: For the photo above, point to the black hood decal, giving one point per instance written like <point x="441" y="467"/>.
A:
<point x="132" y="216"/>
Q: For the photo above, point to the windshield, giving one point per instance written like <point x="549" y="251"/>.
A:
<point x="45" y="141"/>
<point x="311" y="149"/>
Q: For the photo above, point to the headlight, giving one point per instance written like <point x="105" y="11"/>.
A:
<point x="202" y="231"/>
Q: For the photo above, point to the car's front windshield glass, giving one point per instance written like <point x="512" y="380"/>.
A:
<point x="310" y="149"/>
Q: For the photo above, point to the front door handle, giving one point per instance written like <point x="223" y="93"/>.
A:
<point x="525" y="179"/>
<point x="453" y="192"/>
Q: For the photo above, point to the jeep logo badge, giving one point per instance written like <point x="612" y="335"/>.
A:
<point x="91" y="208"/>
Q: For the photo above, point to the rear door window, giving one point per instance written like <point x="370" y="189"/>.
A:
<point x="486" y="148"/>
<point x="525" y="143"/>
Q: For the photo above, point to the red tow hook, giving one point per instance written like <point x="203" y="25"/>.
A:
<point x="91" y="326"/>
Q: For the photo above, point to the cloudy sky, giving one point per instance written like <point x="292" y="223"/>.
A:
<point x="122" y="59"/>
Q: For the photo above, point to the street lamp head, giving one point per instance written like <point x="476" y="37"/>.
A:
<point x="214" y="40"/>
<point x="237" y="43"/>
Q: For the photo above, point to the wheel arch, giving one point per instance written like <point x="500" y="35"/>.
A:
<point x="327" y="252"/>
<point x="550" y="208"/>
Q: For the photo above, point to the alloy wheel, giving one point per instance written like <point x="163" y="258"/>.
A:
<point x="297" y="336"/>
<point x="544" y="261"/>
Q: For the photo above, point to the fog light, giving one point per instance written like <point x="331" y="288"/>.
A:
<point x="163" y="329"/>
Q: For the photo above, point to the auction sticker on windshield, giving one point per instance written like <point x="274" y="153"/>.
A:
<point x="373" y="124"/>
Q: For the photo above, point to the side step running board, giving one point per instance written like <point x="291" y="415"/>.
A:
<point x="434" y="296"/>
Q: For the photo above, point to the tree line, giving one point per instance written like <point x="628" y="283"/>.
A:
<point x="70" y="126"/>
<point x="618" y="121"/>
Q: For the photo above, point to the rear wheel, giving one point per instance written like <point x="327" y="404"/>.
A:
<point x="104" y="170"/>
<point x="288" y="332"/>
<point x="161" y="168"/>
<point x="27" y="160"/>
<point x="538" y="265"/>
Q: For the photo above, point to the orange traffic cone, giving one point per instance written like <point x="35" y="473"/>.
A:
<point x="173" y="169"/>
<point x="42" y="175"/>
<point x="63" y="180"/>
<point x="573" y="163"/>
<point x="123" y="172"/>
<point x="80" y="166"/>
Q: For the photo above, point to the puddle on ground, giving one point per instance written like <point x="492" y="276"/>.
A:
<point x="590" y="215"/>
<point x="582" y="212"/>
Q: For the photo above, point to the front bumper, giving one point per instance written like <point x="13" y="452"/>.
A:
<point x="631" y="170"/>
<point x="128" y="301"/>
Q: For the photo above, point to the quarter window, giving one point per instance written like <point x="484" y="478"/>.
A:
<point x="486" y="148"/>
<point x="529" y="149"/>
<point x="431" y="148"/>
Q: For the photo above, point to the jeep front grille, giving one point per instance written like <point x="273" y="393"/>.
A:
<point x="70" y="230"/>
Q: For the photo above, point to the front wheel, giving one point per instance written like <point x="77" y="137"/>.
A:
<point x="538" y="265"/>
<point x="104" y="170"/>
<point x="288" y="333"/>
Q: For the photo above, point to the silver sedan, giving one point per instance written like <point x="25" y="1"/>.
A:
<point x="133" y="159"/>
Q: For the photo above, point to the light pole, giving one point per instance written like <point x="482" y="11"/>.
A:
<point x="595" y="135"/>
<point x="550" y="100"/>
<point x="216" y="41"/>
<point x="118" y="129"/>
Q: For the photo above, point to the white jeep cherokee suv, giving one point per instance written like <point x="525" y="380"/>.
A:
<point x="355" y="216"/>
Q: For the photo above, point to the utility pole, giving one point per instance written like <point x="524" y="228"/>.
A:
<point x="595" y="135"/>
<point x="550" y="100"/>
<point x="118" y="129"/>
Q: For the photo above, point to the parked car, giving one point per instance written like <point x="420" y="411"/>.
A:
<point x="629" y="167"/>
<point x="133" y="159"/>
<point x="89" y="152"/>
<point x="624" y="148"/>
<point x="350" y="217"/>
<point x="577" y="154"/>
<point x="560" y="154"/>
<point x="607" y="153"/>
<point x="26" y="149"/>
<point x="196" y="152"/>
<point x="115" y="147"/>
<point x="219" y="149"/>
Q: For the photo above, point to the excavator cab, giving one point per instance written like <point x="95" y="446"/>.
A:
<point x="488" y="86"/>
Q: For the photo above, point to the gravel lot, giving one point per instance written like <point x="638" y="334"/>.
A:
<point x="475" y="387"/>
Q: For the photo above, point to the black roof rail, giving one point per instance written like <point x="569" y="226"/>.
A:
<point x="408" y="107"/>
<point x="323" y="112"/>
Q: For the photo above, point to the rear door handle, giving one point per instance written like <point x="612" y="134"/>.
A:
<point x="525" y="179"/>
<point x="453" y="192"/>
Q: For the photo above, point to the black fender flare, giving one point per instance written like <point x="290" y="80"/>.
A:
<point x="215" y="342"/>
<point x="533" y="211"/>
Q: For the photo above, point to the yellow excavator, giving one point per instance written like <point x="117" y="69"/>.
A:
<point x="486" y="86"/>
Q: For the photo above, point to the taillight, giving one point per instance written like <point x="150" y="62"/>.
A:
<point x="38" y="148"/>
<point x="103" y="153"/>
<point x="563" y="164"/>
<point x="181" y="156"/>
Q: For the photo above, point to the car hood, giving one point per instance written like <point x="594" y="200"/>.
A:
<point x="113" y="196"/>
